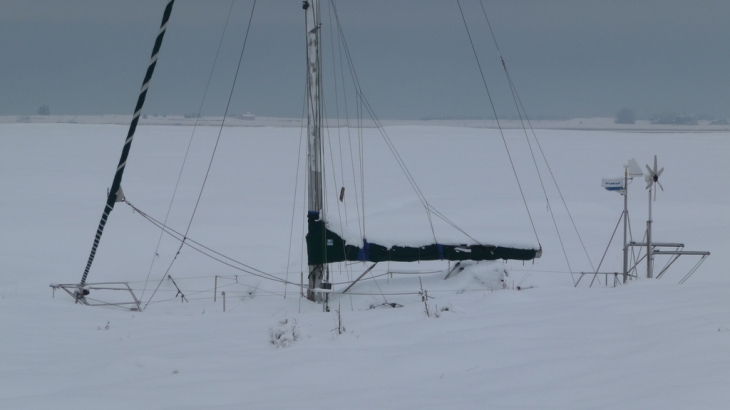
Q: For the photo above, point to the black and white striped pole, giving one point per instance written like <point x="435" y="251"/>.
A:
<point x="115" y="193"/>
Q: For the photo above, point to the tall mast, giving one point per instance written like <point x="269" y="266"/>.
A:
<point x="314" y="130"/>
<point x="115" y="193"/>
<point x="626" y="220"/>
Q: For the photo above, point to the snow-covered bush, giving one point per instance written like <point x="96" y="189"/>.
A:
<point x="286" y="333"/>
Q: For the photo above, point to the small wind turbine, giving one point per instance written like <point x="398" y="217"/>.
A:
<point x="653" y="177"/>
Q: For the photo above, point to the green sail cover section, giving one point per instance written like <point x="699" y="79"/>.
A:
<point x="325" y="246"/>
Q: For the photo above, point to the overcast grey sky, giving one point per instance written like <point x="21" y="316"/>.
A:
<point x="568" y="58"/>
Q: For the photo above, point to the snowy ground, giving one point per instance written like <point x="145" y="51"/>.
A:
<point x="650" y="344"/>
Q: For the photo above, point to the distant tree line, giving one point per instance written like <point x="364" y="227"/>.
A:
<point x="673" y="118"/>
<point x="625" y="116"/>
<point x="628" y="116"/>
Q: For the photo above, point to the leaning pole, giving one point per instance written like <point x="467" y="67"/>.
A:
<point x="116" y="183"/>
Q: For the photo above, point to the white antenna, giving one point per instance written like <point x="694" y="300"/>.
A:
<point x="634" y="169"/>
<point x="621" y="185"/>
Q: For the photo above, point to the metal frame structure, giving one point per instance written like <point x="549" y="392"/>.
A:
<point x="651" y="247"/>
<point x="674" y="255"/>
<point x="74" y="290"/>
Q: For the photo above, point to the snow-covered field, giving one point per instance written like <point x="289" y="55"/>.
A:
<point x="651" y="344"/>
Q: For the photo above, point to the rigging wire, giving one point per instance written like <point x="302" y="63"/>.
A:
<point x="360" y="216"/>
<point x="348" y="269"/>
<point x="305" y="187"/>
<point x="187" y="150"/>
<point x="494" y="110"/>
<point x="513" y="91"/>
<point x="329" y="138"/>
<point x="453" y="225"/>
<point x="519" y="105"/>
<point x="339" y="141"/>
<point x="360" y="187"/>
<point x="279" y="294"/>
<point x="296" y="185"/>
<point x="364" y="104"/>
<point x="186" y="240"/>
<point x="334" y="176"/>
<point x="304" y="225"/>
<point x="337" y="106"/>
<point x="395" y="293"/>
<point x="215" y="148"/>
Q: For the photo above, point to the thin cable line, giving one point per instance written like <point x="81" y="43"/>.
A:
<point x="513" y="91"/>
<point x="187" y="150"/>
<point x="296" y="185"/>
<point x="516" y="96"/>
<point x="215" y="148"/>
<point x="179" y="236"/>
<point x="494" y="110"/>
<point x="363" y="103"/>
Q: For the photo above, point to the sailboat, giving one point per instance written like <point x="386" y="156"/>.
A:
<point x="326" y="241"/>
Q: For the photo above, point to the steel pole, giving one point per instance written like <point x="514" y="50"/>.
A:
<point x="626" y="217"/>
<point x="648" y="241"/>
<point x="314" y="131"/>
